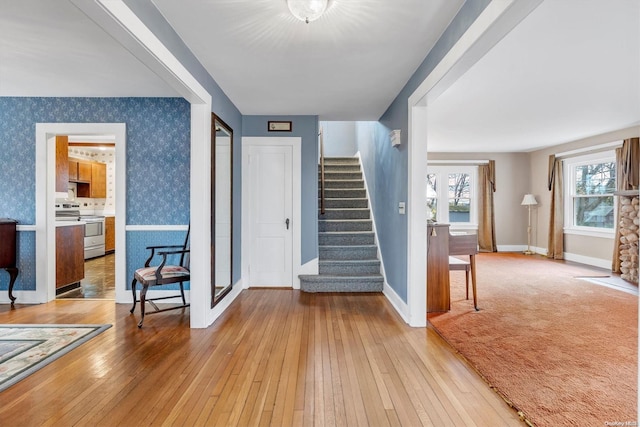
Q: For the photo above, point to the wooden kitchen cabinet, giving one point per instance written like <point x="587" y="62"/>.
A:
<point x="91" y="178"/>
<point x="84" y="171"/>
<point x="98" y="180"/>
<point x="79" y="170"/>
<point x="438" y="288"/>
<point x="69" y="255"/>
<point x="73" y="170"/>
<point x="110" y="234"/>
<point x="62" y="163"/>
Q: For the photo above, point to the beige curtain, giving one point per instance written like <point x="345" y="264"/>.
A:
<point x="487" y="222"/>
<point x="627" y="177"/>
<point x="555" y="247"/>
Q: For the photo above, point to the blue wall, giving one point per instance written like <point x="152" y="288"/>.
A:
<point x="386" y="167"/>
<point x="221" y="105"/>
<point x="158" y="160"/>
<point x="305" y="127"/>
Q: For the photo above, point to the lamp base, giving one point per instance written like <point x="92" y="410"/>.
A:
<point x="529" y="252"/>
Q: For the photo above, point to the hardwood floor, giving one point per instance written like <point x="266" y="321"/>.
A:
<point x="99" y="279"/>
<point x="276" y="357"/>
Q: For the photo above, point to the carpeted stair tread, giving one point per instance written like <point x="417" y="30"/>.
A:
<point x="348" y="254"/>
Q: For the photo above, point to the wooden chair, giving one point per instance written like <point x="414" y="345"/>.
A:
<point x="162" y="274"/>
<point x="464" y="244"/>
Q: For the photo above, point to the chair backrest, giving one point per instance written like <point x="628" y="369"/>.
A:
<point x="463" y="244"/>
<point x="185" y="259"/>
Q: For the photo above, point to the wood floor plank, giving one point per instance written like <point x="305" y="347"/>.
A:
<point x="274" y="358"/>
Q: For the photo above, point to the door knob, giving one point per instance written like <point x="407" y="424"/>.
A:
<point x="287" y="223"/>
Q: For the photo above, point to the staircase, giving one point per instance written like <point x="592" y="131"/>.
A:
<point x="348" y="255"/>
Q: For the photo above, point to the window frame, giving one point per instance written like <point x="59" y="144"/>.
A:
<point x="569" y="172"/>
<point x="442" y="175"/>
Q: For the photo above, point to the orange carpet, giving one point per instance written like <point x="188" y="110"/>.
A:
<point x="562" y="351"/>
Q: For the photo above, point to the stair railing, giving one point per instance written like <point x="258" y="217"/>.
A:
<point x="321" y="174"/>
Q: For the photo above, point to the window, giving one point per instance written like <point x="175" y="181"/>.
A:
<point x="451" y="195"/>
<point x="589" y="201"/>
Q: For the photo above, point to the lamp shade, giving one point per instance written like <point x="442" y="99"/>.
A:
<point x="529" y="199"/>
<point x="307" y="10"/>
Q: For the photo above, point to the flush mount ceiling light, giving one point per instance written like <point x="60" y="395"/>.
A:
<point x="307" y="10"/>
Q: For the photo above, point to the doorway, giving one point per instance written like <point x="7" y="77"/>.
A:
<point x="46" y="200"/>
<point x="96" y="203"/>
<point x="271" y="213"/>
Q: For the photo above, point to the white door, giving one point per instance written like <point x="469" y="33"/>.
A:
<point x="271" y="210"/>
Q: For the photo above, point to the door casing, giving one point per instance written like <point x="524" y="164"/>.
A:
<point x="296" y="228"/>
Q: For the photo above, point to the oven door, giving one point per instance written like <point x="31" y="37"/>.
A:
<point x="93" y="228"/>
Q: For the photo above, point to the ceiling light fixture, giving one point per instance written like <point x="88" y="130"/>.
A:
<point x="307" y="10"/>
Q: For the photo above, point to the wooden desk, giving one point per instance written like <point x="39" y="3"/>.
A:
<point x="438" y="291"/>
<point x="8" y="252"/>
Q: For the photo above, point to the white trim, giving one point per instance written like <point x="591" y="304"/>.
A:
<point x="569" y="171"/>
<point x="25" y="227"/>
<point x="266" y="141"/>
<point x="115" y="17"/>
<point x="602" y="234"/>
<point x="595" y="262"/>
<point x="22" y="297"/>
<point x="457" y="162"/>
<point x="443" y="214"/>
<point x="157" y="227"/>
<point x="312" y="267"/>
<point x="599" y="147"/>
<point x="515" y="248"/>
<point x="400" y="306"/>
<point x="45" y="200"/>
<point x="495" y="21"/>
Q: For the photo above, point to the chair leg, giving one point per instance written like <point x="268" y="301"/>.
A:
<point x="184" y="301"/>
<point x="133" y="290"/>
<point x="473" y="281"/>
<point x="466" y="277"/>
<point x="143" y="297"/>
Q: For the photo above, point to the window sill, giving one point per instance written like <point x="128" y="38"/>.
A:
<point x="590" y="233"/>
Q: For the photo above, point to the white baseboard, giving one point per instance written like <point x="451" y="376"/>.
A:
<point x="22" y="297"/>
<point x="595" y="262"/>
<point x="310" y="267"/>
<point x="400" y="306"/>
<point x="512" y="248"/>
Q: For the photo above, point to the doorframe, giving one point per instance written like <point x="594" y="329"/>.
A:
<point x="45" y="202"/>
<point x="296" y="157"/>
<point x="495" y="21"/>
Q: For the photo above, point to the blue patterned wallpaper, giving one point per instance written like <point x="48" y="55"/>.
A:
<point x="137" y="254"/>
<point x="158" y="160"/>
<point x="158" y="150"/>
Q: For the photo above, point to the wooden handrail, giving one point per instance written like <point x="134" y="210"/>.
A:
<point x="322" y="208"/>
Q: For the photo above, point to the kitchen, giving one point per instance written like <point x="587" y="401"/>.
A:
<point x="85" y="217"/>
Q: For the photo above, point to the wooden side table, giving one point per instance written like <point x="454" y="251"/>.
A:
<point x="8" y="252"/>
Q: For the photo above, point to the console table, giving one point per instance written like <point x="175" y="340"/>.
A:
<point x="8" y="252"/>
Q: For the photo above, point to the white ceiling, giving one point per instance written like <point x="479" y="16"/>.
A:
<point x="348" y="65"/>
<point x="570" y="70"/>
<point x="50" y="48"/>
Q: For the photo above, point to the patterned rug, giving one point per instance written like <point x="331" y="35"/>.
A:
<point x="26" y="348"/>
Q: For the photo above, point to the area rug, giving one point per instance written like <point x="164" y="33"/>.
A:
<point x="562" y="351"/>
<point x="26" y="348"/>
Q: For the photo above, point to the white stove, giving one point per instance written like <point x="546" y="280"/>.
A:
<point x="93" y="227"/>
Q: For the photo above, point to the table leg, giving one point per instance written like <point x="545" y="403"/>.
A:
<point x="13" y="274"/>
